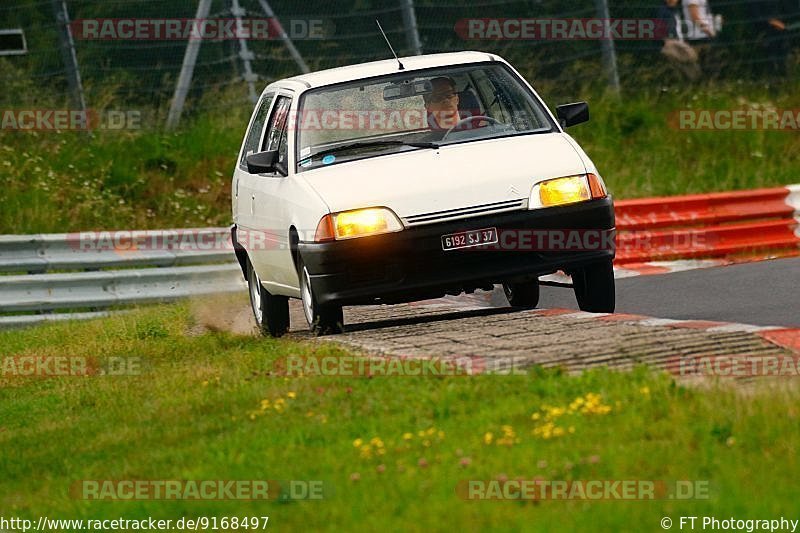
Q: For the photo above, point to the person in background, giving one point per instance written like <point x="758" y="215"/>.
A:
<point x="701" y="30"/>
<point x="769" y="29"/>
<point x="700" y="26"/>
<point x="680" y="55"/>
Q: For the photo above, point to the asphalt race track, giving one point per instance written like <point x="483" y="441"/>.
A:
<point x="765" y="293"/>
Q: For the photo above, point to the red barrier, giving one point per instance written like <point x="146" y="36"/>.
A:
<point x="696" y="209"/>
<point x="708" y="225"/>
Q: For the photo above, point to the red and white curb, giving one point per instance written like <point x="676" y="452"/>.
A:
<point x="787" y="338"/>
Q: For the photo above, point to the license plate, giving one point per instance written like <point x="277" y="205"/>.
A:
<point x="468" y="239"/>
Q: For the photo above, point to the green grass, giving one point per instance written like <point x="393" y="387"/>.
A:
<point x="195" y="413"/>
<point x="148" y="178"/>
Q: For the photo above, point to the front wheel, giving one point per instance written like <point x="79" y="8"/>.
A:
<point x="271" y="312"/>
<point x="524" y="295"/>
<point x="594" y="287"/>
<point x="322" y="319"/>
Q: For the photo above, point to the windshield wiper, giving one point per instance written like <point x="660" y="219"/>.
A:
<point x="367" y="144"/>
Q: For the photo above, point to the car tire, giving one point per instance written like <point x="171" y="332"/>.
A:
<point x="270" y="311"/>
<point x="523" y="295"/>
<point x="322" y="319"/>
<point x="594" y="287"/>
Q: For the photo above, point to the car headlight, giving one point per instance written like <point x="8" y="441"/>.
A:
<point x="357" y="223"/>
<point x="569" y="190"/>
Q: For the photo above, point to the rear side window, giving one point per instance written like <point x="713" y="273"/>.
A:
<point x="253" y="138"/>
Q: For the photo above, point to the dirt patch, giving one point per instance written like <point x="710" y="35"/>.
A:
<point x="224" y="313"/>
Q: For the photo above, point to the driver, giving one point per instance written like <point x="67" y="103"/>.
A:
<point x="441" y="104"/>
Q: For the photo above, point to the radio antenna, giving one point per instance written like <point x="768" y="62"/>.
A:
<point x="390" y="44"/>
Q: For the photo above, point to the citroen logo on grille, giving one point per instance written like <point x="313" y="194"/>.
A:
<point x="512" y="191"/>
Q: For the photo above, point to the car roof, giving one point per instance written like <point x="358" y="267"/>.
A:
<point x="383" y="67"/>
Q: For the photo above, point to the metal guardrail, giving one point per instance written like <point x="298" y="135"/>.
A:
<point x="66" y="251"/>
<point x="185" y="263"/>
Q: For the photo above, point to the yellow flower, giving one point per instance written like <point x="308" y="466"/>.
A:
<point x="440" y="435"/>
<point x="358" y="442"/>
<point x="408" y="436"/>
<point x="645" y="391"/>
<point x="291" y="395"/>
<point x="535" y="416"/>
<point x="488" y="437"/>
<point x="376" y="442"/>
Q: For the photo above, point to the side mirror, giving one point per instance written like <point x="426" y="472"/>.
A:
<point x="572" y="114"/>
<point x="264" y="162"/>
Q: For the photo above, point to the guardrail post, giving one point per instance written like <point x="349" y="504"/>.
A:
<point x="187" y="68"/>
<point x="410" y="22"/>
<point x="607" y="45"/>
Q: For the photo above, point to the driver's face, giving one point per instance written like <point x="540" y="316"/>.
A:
<point x="443" y="105"/>
<point x="447" y="101"/>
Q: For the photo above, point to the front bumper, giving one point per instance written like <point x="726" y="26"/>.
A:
<point x="411" y="265"/>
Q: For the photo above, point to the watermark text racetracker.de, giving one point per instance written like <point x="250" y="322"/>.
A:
<point x="735" y="119"/>
<point x="561" y="29"/>
<point x="398" y="366"/>
<point x="539" y="489"/>
<point x="213" y="29"/>
<point x="198" y="490"/>
<point x="43" y="366"/>
<point x="735" y="366"/>
<point x="70" y="119"/>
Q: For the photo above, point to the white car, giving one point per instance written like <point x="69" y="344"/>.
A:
<point x="409" y="179"/>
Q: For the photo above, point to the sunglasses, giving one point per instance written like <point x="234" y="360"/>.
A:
<point x="443" y="97"/>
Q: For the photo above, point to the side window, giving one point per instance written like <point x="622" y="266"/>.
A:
<point x="253" y="137"/>
<point x="277" y="134"/>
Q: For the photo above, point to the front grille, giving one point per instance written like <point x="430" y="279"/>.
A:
<point x="454" y="214"/>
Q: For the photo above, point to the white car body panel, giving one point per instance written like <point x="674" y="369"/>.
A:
<point x="451" y="177"/>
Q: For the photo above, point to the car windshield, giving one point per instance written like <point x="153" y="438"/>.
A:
<point x="414" y="111"/>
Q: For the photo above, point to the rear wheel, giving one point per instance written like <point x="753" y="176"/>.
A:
<point x="322" y="319"/>
<point x="594" y="287"/>
<point x="524" y="295"/>
<point x="271" y="312"/>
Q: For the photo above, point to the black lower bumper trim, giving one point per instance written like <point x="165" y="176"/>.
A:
<point x="411" y="264"/>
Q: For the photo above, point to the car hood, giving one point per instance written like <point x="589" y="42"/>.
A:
<point x="492" y="173"/>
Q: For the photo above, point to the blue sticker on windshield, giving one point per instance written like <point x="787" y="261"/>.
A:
<point x="328" y="159"/>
